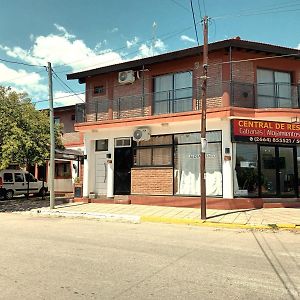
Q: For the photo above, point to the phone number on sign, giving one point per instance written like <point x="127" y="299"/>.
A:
<point x="274" y="140"/>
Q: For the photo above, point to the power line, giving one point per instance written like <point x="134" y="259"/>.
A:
<point x="192" y="8"/>
<point x="273" y="10"/>
<point x="204" y="7"/>
<point x="162" y="37"/>
<point x="199" y="8"/>
<point x="60" y="81"/>
<point x="21" y="63"/>
<point x="181" y="5"/>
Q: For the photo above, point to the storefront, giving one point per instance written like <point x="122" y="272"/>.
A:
<point x="267" y="156"/>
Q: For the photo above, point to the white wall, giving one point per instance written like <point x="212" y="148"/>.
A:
<point x="94" y="165"/>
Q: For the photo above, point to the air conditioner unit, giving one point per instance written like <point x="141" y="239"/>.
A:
<point x="141" y="134"/>
<point x="126" y="77"/>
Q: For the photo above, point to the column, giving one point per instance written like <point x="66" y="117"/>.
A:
<point x="227" y="160"/>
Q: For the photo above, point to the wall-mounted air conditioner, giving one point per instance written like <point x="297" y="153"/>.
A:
<point x="141" y="134"/>
<point x="126" y="77"/>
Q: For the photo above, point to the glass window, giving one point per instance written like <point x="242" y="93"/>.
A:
<point x="273" y="88"/>
<point x="162" y="156"/>
<point x="63" y="170"/>
<point x="8" y="177"/>
<point x="246" y="172"/>
<point x="143" y="157"/>
<point x="19" y="177"/>
<point x="157" y="140"/>
<point x="173" y="93"/>
<point x="99" y="89"/>
<point x="101" y="145"/>
<point x="187" y="169"/>
<point x="30" y="178"/>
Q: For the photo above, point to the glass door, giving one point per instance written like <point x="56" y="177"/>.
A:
<point x="268" y="173"/>
<point x="286" y="170"/>
<point x="277" y="171"/>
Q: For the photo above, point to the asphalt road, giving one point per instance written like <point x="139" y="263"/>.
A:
<point x="58" y="258"/>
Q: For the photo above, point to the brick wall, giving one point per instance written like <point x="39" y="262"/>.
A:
<point x="152" y="181"/>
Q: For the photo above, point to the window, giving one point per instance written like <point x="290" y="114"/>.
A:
<point x="187" y="151"/>
<point x="57" y="120"/>
<point x="101" y="145"/>
<point x="19" y="177"/>
<point x="155" y="152"/>
<point x="99" y="89"/>
<point x="246" y="170"/>
<point x="30" y="178"/>
<point x="63" y="170"/>
<point x="274" y="89"/>
<point x="8" y="177"/>
<point x="173" y="93"/>
<point x="73" y="117"/>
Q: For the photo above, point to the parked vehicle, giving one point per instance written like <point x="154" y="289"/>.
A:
<point x="2" y="190"/>
<point x="19" y="182"/>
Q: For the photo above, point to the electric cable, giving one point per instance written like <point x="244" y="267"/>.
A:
<point x="195" y="27"/>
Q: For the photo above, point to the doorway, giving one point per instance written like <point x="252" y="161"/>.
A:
<point x="277" y="171"/>
<point x="123" y="161"/>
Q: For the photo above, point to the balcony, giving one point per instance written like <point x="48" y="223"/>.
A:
<point x="264" y="95"/>
<point x="246" y="95"/>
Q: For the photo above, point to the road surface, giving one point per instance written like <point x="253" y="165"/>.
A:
<point x="58" y="258"/>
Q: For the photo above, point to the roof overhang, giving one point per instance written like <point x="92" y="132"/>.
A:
<point x="195" y="51"/>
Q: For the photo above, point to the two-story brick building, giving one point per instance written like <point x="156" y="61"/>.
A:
<point x="141" y="126"/>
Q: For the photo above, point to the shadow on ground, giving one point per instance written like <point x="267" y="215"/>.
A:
<point x="23" y="204"/>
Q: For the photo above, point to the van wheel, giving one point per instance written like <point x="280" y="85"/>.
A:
<point x="42" y="192"/>
<point x="9" y="194"/>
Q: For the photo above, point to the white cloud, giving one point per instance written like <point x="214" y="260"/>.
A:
<point x="298" y="47"/>
<point x="153" y="49"/>
<point x="132" y="43"/>
<point x="64" y="31"/>
<point x="63" y="50"/>
<point x="22" y="80"/>
<point x="116" y="29"/>
<point x="186" y="38"/>
<point x="64" y="99"/>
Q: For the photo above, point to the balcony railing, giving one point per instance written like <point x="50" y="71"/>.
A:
<point x="264" y="95"/>
<point x="219" y="94"/>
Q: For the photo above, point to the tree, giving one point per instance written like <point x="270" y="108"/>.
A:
<point x="24" y="131"/>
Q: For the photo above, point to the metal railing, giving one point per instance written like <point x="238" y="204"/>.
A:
<point x="219" y="94"/>
<point x="264" y="95"/>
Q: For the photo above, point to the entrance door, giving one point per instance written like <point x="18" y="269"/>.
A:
<point x="277" y="171"/>
<point x="122" y="170"/>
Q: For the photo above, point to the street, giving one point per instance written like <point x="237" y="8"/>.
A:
<point x="60" y="258"/>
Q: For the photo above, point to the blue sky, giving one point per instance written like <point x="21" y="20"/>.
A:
<point x="76" y="35"/>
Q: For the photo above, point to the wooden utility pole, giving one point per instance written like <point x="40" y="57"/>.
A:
<point x="203" y="120"/>
<point x="52" y="139"/>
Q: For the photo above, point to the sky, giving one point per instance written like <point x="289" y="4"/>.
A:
<point x="76" y="35"/>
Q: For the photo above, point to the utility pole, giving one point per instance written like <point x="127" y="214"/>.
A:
<point x="52" y="139"/>
<point x="203" y="120"/>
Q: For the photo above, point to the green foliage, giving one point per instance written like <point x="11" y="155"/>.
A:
<point x="24" y="131"/>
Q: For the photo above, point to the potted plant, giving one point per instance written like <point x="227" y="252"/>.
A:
<point x="78" y="188"/>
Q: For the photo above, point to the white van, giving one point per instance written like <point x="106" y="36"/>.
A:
<point x="15" y="182"/>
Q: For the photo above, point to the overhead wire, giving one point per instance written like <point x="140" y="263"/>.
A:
<point x="273" y="10"/>
<point x="195" y="27"/>
<point x="181" y="5"/>
<point x="21" y="63"/>
<point x="62" y="83"/>
<point x="204" y="7"/>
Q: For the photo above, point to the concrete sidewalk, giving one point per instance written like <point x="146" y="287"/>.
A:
<point x="270" y="218"/>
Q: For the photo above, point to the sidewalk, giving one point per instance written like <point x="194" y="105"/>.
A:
<point x="270" y="218"/>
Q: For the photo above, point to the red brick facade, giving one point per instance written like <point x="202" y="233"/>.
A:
<point x="152" y="181"/>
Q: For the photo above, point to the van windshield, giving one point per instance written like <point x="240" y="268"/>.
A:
<point x="30" y="178"/>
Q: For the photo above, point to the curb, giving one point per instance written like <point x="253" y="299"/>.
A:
<point x="194" y="222"/>
<point x="90" y="215"/>
<point x="153" y="219"/>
